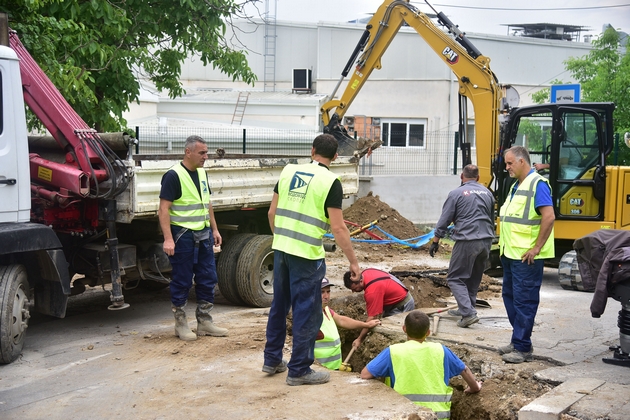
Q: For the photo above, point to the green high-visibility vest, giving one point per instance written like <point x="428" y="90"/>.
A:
<point x="328" y="349"/>
<point x="520" y="224"/>
<point x="300" y="221"/>
<point x="419" y="372"/>
<point x="190" y="210"/>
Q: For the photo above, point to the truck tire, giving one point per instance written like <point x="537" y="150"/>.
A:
<point x="254" y="272"/>
<point x="226" y="266"/>
<point x="14" y="311"/>
<point x="569" y="272"/>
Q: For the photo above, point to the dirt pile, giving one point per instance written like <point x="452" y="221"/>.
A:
<point x="370" y="208"/>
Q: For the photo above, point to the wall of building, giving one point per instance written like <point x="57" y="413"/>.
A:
<point x="417" y="198"/>
<point x="413" y="83"/>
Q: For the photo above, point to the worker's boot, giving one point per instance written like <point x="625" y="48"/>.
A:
<point x="182" y="330"/>
<point x="205" y="326"/>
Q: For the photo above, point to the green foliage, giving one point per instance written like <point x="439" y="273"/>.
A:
<point x="604" y="75"/>
<point x="543" y="96"/>
<point x="94" y="51"/>
<point x="533" y="133"/>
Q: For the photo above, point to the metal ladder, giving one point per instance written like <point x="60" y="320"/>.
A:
<point x="239" y="110"/>
<point x="269" y="84"/>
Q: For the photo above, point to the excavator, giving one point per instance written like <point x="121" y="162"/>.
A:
<point x="588" y="194"/>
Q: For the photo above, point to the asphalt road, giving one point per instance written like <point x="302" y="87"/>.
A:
<point x="97" y="363"/>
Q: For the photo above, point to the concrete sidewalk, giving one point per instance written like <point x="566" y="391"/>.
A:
<point x="566" y="333"/>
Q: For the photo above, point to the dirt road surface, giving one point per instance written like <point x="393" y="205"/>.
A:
<point x="102" y="364"/>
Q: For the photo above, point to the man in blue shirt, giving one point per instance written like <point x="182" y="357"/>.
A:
<point x="526" y="240"/>
<point x="421" y="370"/>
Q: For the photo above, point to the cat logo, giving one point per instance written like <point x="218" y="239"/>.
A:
<point x="299" y="184"/>
<point x="451" y="56"/>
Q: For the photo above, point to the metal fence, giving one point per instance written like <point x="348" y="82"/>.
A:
<point x="170" y="140"/>
<point x="436" y="157"/>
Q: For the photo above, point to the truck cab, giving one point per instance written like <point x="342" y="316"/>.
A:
<point x="15" y="196"/>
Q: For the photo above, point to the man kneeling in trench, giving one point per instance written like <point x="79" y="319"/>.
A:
<point x="384" y="294"/>
<point x="421" y="370"/>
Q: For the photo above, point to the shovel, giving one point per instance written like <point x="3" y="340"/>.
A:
<point x="433" y="311"/>
<point x="481" y="303"/>
<point x="436" y="321"/>
<point x="345" y="366"/>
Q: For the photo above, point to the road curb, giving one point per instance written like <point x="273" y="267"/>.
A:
<point x="557" y="401"/>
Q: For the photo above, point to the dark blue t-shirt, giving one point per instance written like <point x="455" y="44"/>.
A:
<point x="171" y="187"/>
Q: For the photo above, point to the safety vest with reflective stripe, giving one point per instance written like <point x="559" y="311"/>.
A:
<point x="300" y="221"/>
<point x="328" y="349"/>
<point x="419" y="372"/>
<point x="520" y="224"/>
<point x="190" y="210"/>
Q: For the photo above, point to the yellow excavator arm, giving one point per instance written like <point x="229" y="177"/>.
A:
<point x="476" y="81"/>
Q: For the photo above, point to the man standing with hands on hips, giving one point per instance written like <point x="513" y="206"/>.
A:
<point x="526" y="239"/>
<point x="470" y="207"/>
<point x="306" y="203"/>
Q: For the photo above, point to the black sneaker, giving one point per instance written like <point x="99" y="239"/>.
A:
<point x="275" y="369"/>
<point x="518" y="356"/>
<point x="506" y="349"/>
<point x="311" y="378"/>
<point x="467" y="321"/>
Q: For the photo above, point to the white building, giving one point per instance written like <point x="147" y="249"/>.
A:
<point x="414" y="90"/>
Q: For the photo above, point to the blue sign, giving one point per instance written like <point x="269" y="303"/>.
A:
<point x="565" y="93"/>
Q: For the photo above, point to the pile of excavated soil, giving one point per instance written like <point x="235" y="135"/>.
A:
<point x="370" y="208"/>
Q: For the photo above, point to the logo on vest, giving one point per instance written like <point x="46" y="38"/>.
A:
<point x="204" y="186"/>
<point x="299" y="184"/>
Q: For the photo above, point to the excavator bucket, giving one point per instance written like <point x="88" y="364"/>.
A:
<point x="349" y="146"/>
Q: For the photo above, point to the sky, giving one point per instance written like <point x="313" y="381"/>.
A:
<point x="480" y="16"/>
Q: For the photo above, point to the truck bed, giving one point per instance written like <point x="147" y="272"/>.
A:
<point x="236" y="181"/>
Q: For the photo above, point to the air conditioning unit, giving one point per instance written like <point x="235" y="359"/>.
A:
<point x="302" y="79"/>
<point x="349" y="123"/>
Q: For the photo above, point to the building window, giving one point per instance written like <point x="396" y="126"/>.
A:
<point x="403" y="133"/>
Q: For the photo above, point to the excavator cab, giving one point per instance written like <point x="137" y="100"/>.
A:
<point x="573" y="140"/>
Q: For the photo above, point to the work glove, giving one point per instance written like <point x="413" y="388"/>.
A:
<point x="433" y="248"/>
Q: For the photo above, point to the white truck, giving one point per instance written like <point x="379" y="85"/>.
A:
<point x="85" y="214"/>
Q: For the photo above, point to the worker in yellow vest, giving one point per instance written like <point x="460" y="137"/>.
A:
<point x="190" y="232"/>
<point x="526" y="240"/>
<point x="421" y="370"/>
<point x="328" y="344"/>
<point x="307" y="203"/>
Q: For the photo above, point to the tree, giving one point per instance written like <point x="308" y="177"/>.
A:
<point x="95" y="51"/>
<point x="544" y="95"/>
<point x="604" y="76"/>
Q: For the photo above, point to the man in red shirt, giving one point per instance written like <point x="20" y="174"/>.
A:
<point x="384" y="296"/>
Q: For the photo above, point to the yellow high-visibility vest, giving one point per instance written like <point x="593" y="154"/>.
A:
<point x="328" y="349"/>
<point x="300" y="221"/>
<point x="520" y="224"/>
<point x="190" y="210"/>
<point x="419" y="372"/>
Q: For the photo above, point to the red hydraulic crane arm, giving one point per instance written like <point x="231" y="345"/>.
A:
<point x="65" y="125"/>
